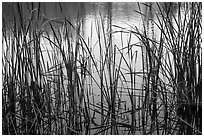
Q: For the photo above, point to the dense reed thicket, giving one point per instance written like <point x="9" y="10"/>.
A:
<point x="174" y="67"/>
<point x="51" y="73"/>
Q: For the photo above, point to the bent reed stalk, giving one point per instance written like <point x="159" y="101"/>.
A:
<point x="55" y="83"/>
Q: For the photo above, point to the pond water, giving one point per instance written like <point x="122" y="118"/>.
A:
<point x="93" y="16"/>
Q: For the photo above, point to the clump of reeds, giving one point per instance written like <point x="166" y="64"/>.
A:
<point x="50" y="89"/>
<point x="174" y="67"/>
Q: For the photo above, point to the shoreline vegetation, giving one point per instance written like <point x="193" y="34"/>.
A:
<point x="49" y="91"/>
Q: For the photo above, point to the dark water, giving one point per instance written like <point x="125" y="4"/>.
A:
<point x="121" y="11"/>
